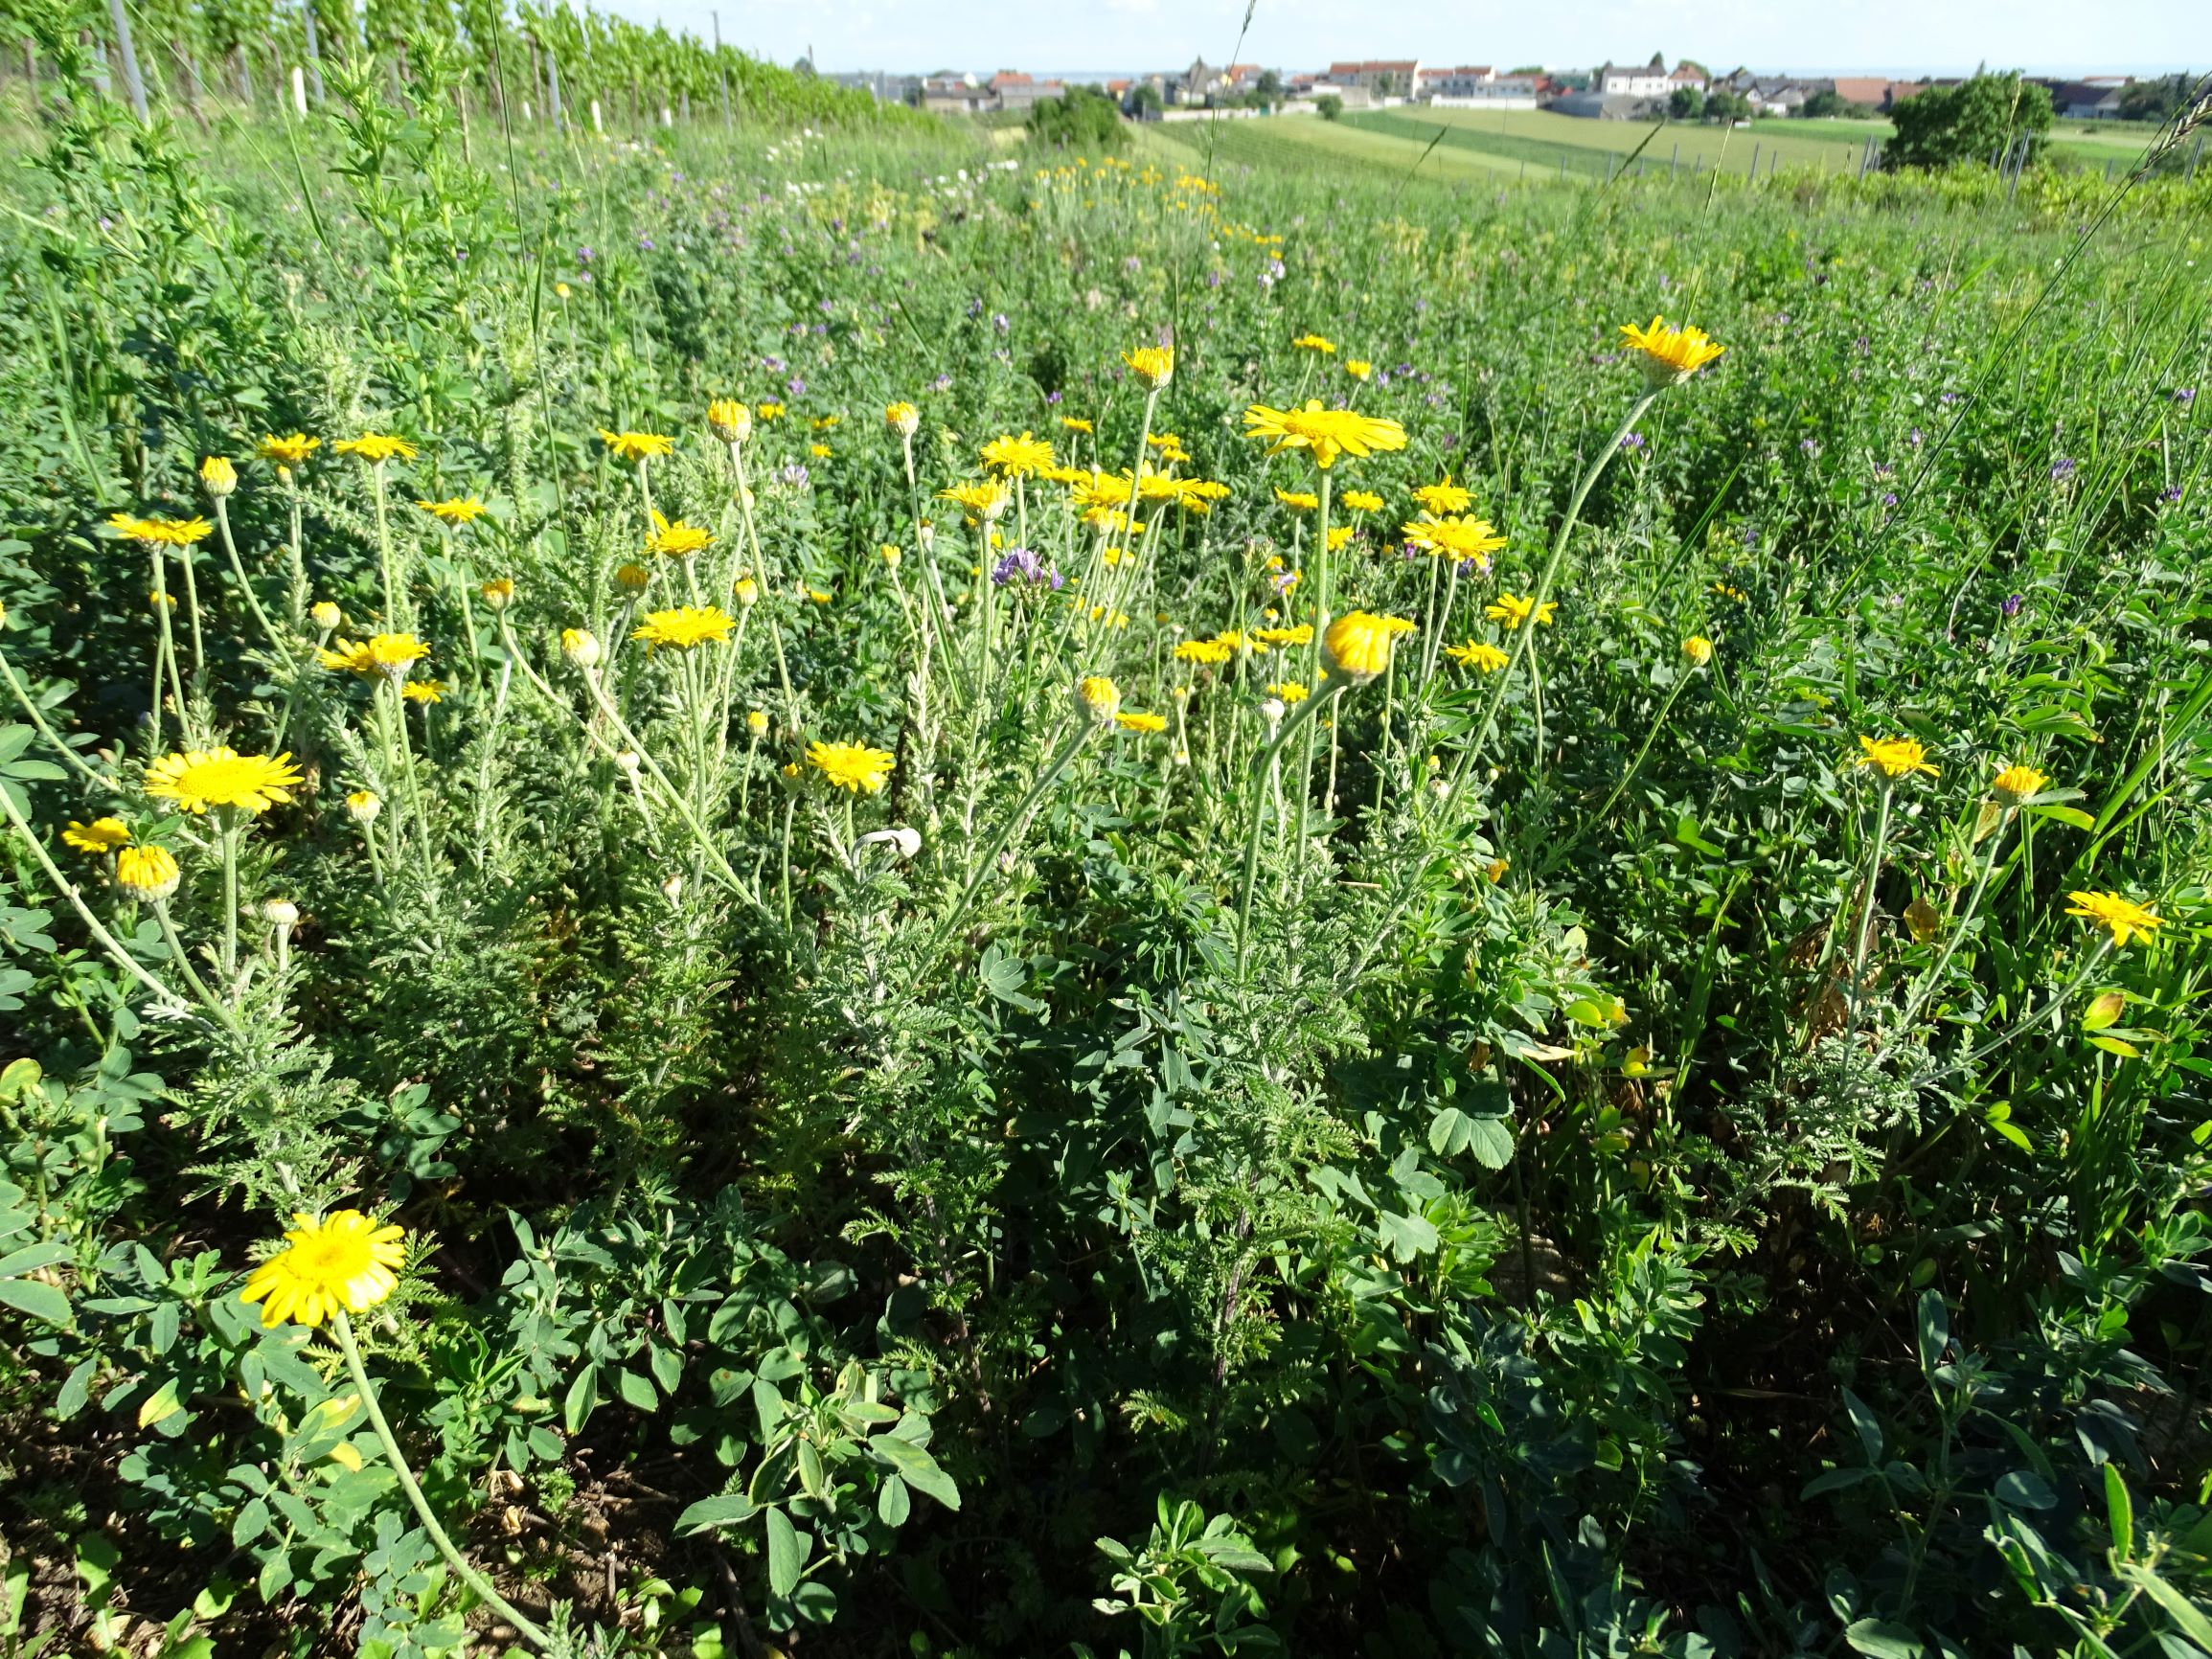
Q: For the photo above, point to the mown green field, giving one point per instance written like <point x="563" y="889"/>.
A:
<point x="790" y="887"/>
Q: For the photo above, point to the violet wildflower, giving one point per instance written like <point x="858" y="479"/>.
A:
<point x="2011" y="606"/>
<point x="2061" y="470"/>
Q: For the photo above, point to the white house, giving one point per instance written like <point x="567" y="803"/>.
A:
<point x="1619" y="80"/>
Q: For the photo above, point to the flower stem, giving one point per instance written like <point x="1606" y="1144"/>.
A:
<point x="222" y="518"/>
<point x="228" y="834"/>
<point x="38" y="721"/>
<point x="1866" y="904"/>
<point x="393" y="619"/>
<point x="1261" y="762"/>
<point x="1524" y="637"/>
<point x="122" y="959"/>
<point x="1085" y="731"/>
<point x="343" y="1328"/>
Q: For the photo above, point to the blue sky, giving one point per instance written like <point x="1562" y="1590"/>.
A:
<point x="1804" y="37"/>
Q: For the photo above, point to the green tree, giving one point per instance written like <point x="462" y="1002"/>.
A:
<point x="1834" y="104"/>
<point x="1975" y="121"/>
<point x="2155" y="98"/>
<point x="1330" y="107"/>
<point x="1686" y="104"/>
<point x="1144" y="99"/>
<point x="1727" y="107"/>
<point x="1082" y="118"/>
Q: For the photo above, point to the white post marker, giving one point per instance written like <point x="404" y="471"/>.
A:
<point x="299" y="89"/>
<point x="595" y="125"/>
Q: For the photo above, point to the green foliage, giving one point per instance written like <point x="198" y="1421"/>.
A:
<point x="1330" y="106"/>
<point x="1556" y="1160"/>
<point x="1976" y="120"/>
<point x="1082" y="118"/>
<point x="1831" y="105"/>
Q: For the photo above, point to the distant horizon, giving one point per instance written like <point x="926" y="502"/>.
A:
<point x="1910" y="38"/>
<point x="2043" y="71"/>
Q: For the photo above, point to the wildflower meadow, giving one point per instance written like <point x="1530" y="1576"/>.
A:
<point x="778" y="882"/>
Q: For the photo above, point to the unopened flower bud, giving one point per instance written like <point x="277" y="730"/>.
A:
<point x="498" y="594"/>
<point x="1100" y="698"/>
<point x="327" y="616"/>
<point x="902" y="418"/>
<point x="891" y="554"/>
<point x="362" y="807"/>
<point x="673" y="888"/>
<point x="756" y="722"/>
<point x="282" y="910"/>
<point x="581" y="646"/>
<point x="748" y="590"/>
<point x="218" y="476"/>
<point x="146" y="873"/>
<point x="732" y="421"/>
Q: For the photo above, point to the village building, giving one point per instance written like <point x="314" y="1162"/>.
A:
<point x="1382" y="78"/>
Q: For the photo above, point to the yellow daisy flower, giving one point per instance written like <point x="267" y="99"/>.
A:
<point x="101" y="835"/>
<point x="344" y="1263"/>
<point x="202" y="778"/>
<point x="2124" y="917"/>
<point x="685" y="627"/>
<point x="1895" y="756"/>
<point x="1670" y="355"/>
<point x="636" y="446"/>
<point x="376" y="447"/>
<point x="1324" y="432"/>
<point x="853" y="766"/>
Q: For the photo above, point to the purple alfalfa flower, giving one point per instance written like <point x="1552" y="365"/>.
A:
<point x="795" y="387"/>
<point x="837" y="225"/>
<point x="999" y="322"/>
<point x="1948" y="398"/>
<point x="1634" y="440"/>
<point x="645" y="242"/>
<point x="943" y="383"/>
<point x="1883" y="469"/>
<point x="1913" y="438"/>
<point x="976" y="307"/>
<point x="2185" y="396"/>
<point x="1052" y="396"/>
<point x="773" y="365"/>
<point x="2061" y="470"/>
<point x="827" y="307"/>
<point x="1133" y="265"/>
<point x="2011" y="606"/>
<point x="1451" y="441"/>
<point x="1214" y="279"/>
<point x="1889" y="498"/>
<point x="1022" y="567"/>
<point x="584" y="256"/>
<point x="2172" y="492"/>
<point x="795" y="475"/>
<point x="1811" y="445"/>
<point x="1283" y="580"/>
